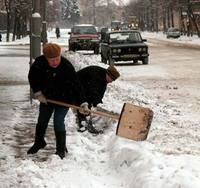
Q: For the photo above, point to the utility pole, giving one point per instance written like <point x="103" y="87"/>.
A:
<point x="35" y="35"/>
<point x="35" y="27"/>
<point x="44" y="23"/>
<point x="109" y="11"/>
<point x="94" y="12"/>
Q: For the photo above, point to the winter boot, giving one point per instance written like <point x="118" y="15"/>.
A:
<point x="92" y="129"/>
<point x="81" y="120"/>
<point x="60" y="144"/>
<point x="39" y="140"/>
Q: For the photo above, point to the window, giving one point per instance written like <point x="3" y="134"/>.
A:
<point x="84" y="30"/>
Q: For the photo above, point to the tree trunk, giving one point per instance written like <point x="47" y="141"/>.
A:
<point x="168" y="17"/>
<point x="164" y="20"/>
<point x="156" y="20"/>
<point x="192" y="18"/>
<point x="15" y="26"/>
<point x="172" y="16"/>
<point x="8" y="27"/>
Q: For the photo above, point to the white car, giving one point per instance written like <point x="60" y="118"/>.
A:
<point x="173" y="33"/>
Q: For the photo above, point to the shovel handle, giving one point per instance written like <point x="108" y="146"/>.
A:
<point x="79" y="108"/>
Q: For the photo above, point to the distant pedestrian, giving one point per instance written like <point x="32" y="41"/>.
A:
<point x="57" y="32"/>
<point x="0" y="37"/>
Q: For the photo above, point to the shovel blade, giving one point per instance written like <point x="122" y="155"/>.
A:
<point x="134" y="122"/>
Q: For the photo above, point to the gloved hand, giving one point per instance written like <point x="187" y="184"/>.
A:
<point x="95" y="107"/>
<point x="40" y="97"/>
<point x="85" y="109"/>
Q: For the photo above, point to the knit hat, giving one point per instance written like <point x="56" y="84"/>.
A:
<point x="113" y="73"/>
<point x="51" y="50"/>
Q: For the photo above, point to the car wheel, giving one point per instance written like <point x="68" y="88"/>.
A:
<point x="145" y="61"/>
<point x="96" y="50"/>
<point x="72" y="48"/>
<point x="111" y="61"/>
<point x="103" y="60"/>
<point x="135" y="61"/>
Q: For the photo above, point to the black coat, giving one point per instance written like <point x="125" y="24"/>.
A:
<point x="59" y="83"/>
<point x="93" y="80"/>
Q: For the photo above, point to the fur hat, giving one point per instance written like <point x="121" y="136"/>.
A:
<point x="51" y="50"/>
<point x="113" y="73"/>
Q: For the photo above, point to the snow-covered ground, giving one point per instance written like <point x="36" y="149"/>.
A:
<point x="99" y="161"/>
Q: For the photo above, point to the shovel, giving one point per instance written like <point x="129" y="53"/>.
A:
<point x="133" y="123"/>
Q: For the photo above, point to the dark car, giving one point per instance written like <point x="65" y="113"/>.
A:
<point x="124" y="45"/>
<point x="84" y="37"/>
<point x="173" y="33"/>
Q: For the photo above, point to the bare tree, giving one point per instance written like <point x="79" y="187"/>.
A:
<point x="8" y="5"/>
<point x="21" y="16"/>
<point x="192" y="18"/>
<point x="18" y="13"/>
<point x="152" y="13"/>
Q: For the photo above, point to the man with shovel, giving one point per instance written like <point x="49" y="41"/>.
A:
<point x="94" y="80"/>
<point x="52" y="76"/>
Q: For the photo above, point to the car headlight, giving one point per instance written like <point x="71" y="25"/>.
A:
<point x="139" y="49"/>
<point x="144" y="49"/>
<point x="116" y="50"/>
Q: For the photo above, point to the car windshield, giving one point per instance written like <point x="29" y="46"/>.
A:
<point x="173" y="30"/>
<point x="125" y="37"/>
<point x="84" y="30"/>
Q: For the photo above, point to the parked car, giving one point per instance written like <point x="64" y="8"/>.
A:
<point x="124" y="45"/>
<point x="173" y="33"/>
<point x="84" y="37"/>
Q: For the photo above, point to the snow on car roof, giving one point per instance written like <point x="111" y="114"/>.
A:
<point x="124" y="31"/>
<point x="84" y="25"/>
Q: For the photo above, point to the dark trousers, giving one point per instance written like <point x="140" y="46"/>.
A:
<point x="82" y="117"/>
<point x="45" y="113"/>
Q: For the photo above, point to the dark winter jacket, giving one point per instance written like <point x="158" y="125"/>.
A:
<point x="93" y="80"/>
<point x="59" y="83"/>
<point x="57" y="32"/>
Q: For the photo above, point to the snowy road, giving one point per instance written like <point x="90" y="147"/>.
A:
<point x="172" y="77"/>
<point x="171" y="81"/>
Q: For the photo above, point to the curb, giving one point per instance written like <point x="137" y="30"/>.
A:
<point x="174" y="43"/>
